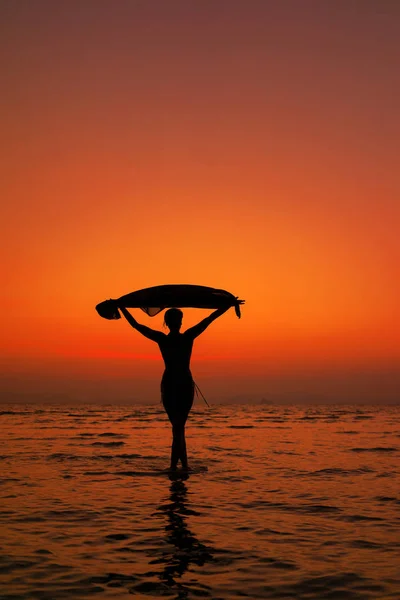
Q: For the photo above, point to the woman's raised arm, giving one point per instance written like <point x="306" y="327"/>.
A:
<point x="151" y="334"/>
<point x="196" y="330"/>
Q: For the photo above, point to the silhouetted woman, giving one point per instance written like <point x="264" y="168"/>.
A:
<point x="177" y="385"/>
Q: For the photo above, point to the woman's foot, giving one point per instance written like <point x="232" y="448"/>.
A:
<point x="186" y="468"/>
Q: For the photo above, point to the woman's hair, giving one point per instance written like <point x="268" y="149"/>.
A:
<point x="173" y="316"/>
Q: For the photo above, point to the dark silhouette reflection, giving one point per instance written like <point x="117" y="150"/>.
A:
<point x="186" y="548"/>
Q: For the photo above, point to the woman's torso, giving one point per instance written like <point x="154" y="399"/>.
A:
<point x="176" y="350"/>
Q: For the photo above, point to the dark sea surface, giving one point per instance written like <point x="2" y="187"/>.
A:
<point x="283" y="502"/>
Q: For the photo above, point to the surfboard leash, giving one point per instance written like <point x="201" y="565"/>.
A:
<point x="197" y="390"/>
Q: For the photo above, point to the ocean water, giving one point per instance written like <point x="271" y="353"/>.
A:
<point x="295" y="502"/>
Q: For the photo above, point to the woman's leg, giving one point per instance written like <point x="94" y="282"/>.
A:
<point x="182" y="445"/>
<point x="175" y="448"/>
<point x="167" y="397"/>
<point x="178" y="450"/>
<point x="186" y="408"/>
<point x="184" y="459"/>
<point x="178" y="412"/>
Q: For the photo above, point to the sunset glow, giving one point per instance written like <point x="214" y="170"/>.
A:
<point x="252" y="149"/>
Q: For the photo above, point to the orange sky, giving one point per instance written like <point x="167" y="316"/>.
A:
<point x="250" y="146"/>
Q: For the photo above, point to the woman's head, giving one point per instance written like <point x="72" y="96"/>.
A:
<point x="173" y="318"/>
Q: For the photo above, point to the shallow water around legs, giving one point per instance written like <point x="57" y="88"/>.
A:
<point x="283" y="502"/>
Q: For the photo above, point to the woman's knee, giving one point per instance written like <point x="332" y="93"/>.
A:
<point x="178" y="429"/>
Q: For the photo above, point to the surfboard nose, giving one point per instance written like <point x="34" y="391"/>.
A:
<point x="108" y="310"/>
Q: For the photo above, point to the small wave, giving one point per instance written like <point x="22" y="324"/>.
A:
<point x="267" y="531"/>
<point x="149" y="473"/>
<point x="301" y="508"/>
<point x="72" y="514"/>
<point x="341" y="585"/>
<point x="318" y="508"/>
<point x="156" y="589"/>
<point x="108" y="444"/>
<point x="356" y="518"/>
<point x="278" y="564"/>
<point x="241" y="426"/>
<point x="89" y="436"/>
<point x="339" y="471"/>
<point x="117" y="536"/>
<point x="360" y="417"/>
<point x="29" y="519"/>
<point x="377" y="449"/>
<point x="11" y="565"/>
<point x="8" y="480"/>
<point x="105" y="457"/>
<point x="129" y="456"/>
<point x="156" y="472"/>
<point x="387" y="499"/>
<point x="365" y="544"/>
<point x="118" y="578"/>
<point x="63" y="456"/>
<point x="77" y="415"/>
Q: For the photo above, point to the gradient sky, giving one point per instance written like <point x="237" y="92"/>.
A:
<point x="247" y="145"/>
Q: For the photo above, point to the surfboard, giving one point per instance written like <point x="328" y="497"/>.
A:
<point x="153" y="300"/>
